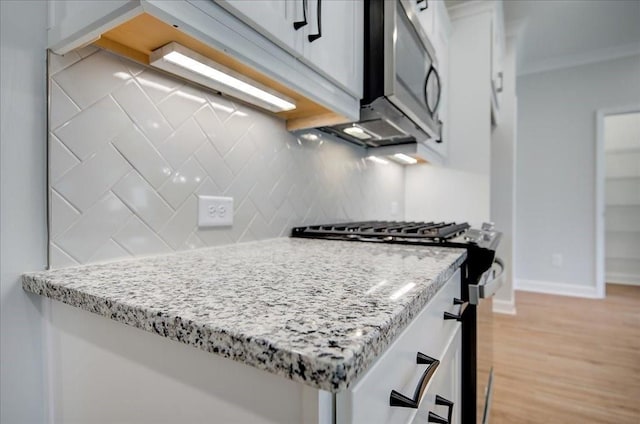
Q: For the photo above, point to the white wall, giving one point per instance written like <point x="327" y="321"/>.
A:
<point x="435" y="193"/>
<point x="503" y="149"/>
<point x="23" y="208"/>
<point x="470" y="83"/>
<point x="555" y="174"/>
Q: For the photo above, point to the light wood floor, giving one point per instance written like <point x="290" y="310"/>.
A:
<point x="569" y="360"/>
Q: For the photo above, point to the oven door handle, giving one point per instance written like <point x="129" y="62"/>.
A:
<point x="486" y="288"/>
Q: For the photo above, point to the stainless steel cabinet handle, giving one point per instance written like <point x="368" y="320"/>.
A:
<point x="398" y="399"/>
<point x="458" y="316"/>
<point x="314" y="37"/>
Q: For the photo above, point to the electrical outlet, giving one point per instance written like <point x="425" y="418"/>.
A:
<point x="215" y="211"/>
<point x="556" y="260"/>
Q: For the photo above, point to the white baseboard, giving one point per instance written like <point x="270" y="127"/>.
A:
<point x="622" y="278"/>
<point x="507" y="307"/>
<point x="557" y="288"/>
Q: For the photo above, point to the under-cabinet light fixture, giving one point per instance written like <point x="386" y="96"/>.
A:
<point x="378" y="160"/>
<point x="357" y="132"/>
<point x="183" y="62"/>
<point x="406" y="158"/>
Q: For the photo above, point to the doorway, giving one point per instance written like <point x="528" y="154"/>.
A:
<point x="618" y="197"/>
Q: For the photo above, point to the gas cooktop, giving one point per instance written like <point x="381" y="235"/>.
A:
<point x="481" y="244"/>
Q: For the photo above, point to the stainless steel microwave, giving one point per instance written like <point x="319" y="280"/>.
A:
<point x="401" y="81"/>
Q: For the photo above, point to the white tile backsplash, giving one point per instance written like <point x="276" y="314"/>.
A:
<point x="131" y="148"/>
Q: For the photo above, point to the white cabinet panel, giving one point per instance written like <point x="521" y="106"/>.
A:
<point x="338" y="52"/>
<point x="274" y="18"/>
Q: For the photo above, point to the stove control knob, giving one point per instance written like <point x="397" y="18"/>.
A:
<point x="488" y="226"/>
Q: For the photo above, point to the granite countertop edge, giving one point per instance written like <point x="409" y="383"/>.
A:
<point x="297" y="366"/>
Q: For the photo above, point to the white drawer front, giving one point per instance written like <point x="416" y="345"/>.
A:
<point x="368" y="400"/>
<point x="446" y="383"/>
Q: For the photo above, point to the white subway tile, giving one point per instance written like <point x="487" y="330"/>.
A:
<point x="157" y="85"/>
<point x="61" y="159"/>
<point x="139" y="151"/>
<point x="110" y="250"/>
<point x="87" y="182"/>
<point x="182" y="143"/>
<point x="238" y="156"/>
<point x="92" y="78"/>
<point x="214" y="165"/>
<point x="136" y="193"/>
<point x="58" y="258"/>
<point x="58" y="62"/>
<point x="66" y="215"/>
<point x="181" y="104"/>
<point x="92" y="128"/>
<point x="62" y="107"/>
<point x="94" y="228"/>
<point x="180" y="226"/>
<point x="143" y="112"/>
<point x="193" y="242"/>
<point x="183" y="182"/>
<point x="139" y="239"/>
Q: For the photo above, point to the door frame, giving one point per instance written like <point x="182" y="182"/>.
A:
<point x="601" y="114"/>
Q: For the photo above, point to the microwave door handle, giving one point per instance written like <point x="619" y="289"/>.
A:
<point x="486" y="288"/>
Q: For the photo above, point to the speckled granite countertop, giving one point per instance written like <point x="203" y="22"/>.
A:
<point x="315" y="311"/>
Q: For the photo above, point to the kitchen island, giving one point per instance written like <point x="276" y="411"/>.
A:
<point x="314" y="313"/>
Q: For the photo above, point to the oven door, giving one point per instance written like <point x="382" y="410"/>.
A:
<point x="481" y="295"/>
<point x="411" y="82"/>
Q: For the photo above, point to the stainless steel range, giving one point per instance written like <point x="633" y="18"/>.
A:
<point x="482" y="277"/>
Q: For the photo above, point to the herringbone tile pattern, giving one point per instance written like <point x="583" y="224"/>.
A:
<point x="131" y="148"/>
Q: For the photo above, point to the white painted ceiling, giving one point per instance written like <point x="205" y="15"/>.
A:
<point x="557" y="33"/>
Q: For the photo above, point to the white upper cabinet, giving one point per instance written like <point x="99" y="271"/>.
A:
<point x="332" y="41"/>
<point x="327" y="35"/>
<point x="265" y="40"/>
<point x="272" y="18"/>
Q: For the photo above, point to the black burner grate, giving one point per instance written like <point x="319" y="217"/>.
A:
<point x="432" y="231"/>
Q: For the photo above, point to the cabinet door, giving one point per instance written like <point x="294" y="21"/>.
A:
<point x="272" y="18"/>
<point x="337" y="53"/>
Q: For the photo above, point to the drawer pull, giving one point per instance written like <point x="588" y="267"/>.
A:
<point x="435" y="418"/>
<point x="458" y="316"/>
<point x="398" y="399"/>
<point x="445" y="402"/>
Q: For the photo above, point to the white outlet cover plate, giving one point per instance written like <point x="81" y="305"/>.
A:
<point x="215" y="211"/>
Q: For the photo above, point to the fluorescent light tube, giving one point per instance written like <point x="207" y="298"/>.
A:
<point x="188" y="64"/>
<point x="405" y="158"/>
